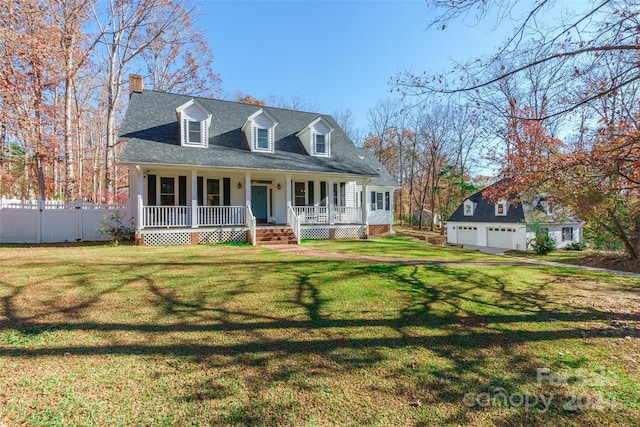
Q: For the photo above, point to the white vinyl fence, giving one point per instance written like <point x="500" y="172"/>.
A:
<point x="51" y="221"/>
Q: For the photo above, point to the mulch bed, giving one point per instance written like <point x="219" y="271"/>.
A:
<point x="611" y="262"/>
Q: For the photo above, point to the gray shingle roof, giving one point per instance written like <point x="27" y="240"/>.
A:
<point x="519" y="212"/>
<point x="485" y="211"/>
<point x="384" y="178"/>
<point x="152" y="130"/>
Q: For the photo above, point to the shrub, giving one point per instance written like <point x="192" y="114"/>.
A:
<point x="542" y="244"/>
<point x="575" y="246"/>
<point x="113" y="226"/>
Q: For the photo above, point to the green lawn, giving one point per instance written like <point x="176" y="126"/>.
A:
<point x="400" y="248"/>
<point x="230" y="335"/>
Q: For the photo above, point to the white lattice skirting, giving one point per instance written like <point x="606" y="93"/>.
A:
<point x="161" y="239"/>
<point x="167" y="238"/>
<point x="350" y="233"/>
<point x="314" y="233"/>
<point x="222" y="236"/>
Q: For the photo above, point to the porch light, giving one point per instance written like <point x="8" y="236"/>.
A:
<point x="279" y="186"/>
<point x="240" y="184"/>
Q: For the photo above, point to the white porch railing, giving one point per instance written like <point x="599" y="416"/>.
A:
<point x="211" y="216"/>
<point x="320" y="214"/>
<point x="294" y="222"/>
<point x="251" y="223"/>
<point x="347" y="215"/>
<point x="312" y="214"/>
<point x="166" y="216"/>
<point x="180" y="216"/>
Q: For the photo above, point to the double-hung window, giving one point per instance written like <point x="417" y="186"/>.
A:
<point x="321" y="147"/>
<point x="213" y="192"/>
<point x="167" y="191"/>
<point x="194" y="132"/>
<point x="299" y="198"/>
<point x="262" y="142"/>
<point x="567" y="234"/>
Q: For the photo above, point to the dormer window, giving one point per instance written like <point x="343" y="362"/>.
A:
<point x="316" y="137"/>
<point x="469" y="208"/>
<point x="501" y="208"/>
<point x="194" y="122"/>
<point x="260" y="129"/>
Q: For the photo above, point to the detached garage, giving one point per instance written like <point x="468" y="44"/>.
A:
<point x="479" y="222"/>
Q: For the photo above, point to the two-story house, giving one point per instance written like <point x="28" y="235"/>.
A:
<point x="206" y="170"/>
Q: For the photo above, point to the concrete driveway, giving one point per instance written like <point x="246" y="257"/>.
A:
<point x="494" y="251"/>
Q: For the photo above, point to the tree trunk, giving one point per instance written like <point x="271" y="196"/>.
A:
<point x="69" y="175"/>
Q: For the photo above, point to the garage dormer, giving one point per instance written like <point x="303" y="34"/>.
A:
<point x="469" y="207"/>
<point x="194" y="122"/>
<point x="316" y="137"/>
<point x="260" y="131"/>
<point x="501" y="208"/>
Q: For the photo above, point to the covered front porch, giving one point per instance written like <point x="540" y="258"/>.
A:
<point x="202" y="206"/>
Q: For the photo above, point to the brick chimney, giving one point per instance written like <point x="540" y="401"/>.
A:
<point x="136" y="83"/>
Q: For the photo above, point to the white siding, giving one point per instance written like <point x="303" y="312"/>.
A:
<point x="305" y="138"/>
<point x="350" y="197"/>
<point x="280" y="200"/>
<point x="380" y="216"/>
<point x="132" y="201"/>
<point x="196" y="114"/>
<point x="555" y="231"/>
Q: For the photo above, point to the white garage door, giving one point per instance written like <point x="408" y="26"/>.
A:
<point x="468" y="235"/>
<point x="500" y="237"/>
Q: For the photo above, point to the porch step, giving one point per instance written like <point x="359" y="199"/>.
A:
<point x="275" y="236"/>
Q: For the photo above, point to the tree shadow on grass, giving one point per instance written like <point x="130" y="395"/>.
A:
<point x="447" y="312"/>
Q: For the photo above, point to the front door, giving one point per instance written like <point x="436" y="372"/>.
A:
<point x="259" y="202"/>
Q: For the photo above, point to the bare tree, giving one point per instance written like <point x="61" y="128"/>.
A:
<point x="127" y="28"/>
<point x="179" y="60"/>
<point x="346" y="121"/>
<point x="571" y="46"/>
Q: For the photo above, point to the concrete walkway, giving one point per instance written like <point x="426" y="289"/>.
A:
<point x="508" y="260"/>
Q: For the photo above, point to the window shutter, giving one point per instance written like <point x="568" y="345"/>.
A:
<point x="387" y="201"/>
<point x="185" y="131"/>
<point x="226" y="184"/>
<point x="151" y="190"/>
<point x="182" y="191"/>
<point x="310" y="195"/>
<point x="373" y="200"/>
<point x="200" y="191"/>
<point x="323" y="193"/>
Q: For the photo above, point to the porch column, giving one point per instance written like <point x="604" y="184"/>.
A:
<point x="194" y="198"/>
<point x="365" y="205"/>
<point x="391" y="211"/>
<point x="140" y="201"/>
<point x="332" y="218"/>
<point x="247" y="188"/>
<point x="288" y="190"/>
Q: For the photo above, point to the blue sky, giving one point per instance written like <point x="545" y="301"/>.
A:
<point x="336" y="54"/>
